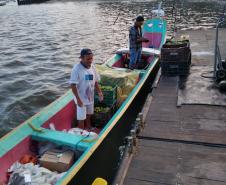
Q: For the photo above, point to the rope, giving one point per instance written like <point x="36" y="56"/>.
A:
<point x="83" y="139"/>
<point x="116" y="18"/>
<point x="34" y="128"/>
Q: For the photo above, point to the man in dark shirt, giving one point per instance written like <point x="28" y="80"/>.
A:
<point x="135" y="42"/>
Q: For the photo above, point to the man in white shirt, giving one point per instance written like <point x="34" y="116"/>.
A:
<point x="84" y="79"/>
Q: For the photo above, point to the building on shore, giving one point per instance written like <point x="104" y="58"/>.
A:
<point x="24" y="2"/>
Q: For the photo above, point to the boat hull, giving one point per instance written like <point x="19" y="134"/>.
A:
<point x="18" y="142"/>
<point x="104" y="162"/>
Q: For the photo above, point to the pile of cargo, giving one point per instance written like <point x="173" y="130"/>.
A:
<point x="46" y="168"/>
<point x="47" y="162"/>
<point x="176" y="57"/>
<point x="116" y="85"/>
<point x="124" y="81"/>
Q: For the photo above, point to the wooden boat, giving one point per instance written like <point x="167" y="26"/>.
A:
<point x="97" y="157"/>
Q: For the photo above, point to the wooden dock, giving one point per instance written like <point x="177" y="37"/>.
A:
<point x="183" y="145"/>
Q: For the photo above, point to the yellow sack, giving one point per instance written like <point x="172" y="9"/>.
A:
<point x="120" y="97"/>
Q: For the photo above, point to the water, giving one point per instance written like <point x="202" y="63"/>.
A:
<point x="40" y="43"/>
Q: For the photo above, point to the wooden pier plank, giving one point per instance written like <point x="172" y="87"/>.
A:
<point x="160" y="162"/>
<point x="194" y="123"/>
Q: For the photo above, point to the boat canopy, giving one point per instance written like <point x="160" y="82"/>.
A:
<point x="144" y="51"/>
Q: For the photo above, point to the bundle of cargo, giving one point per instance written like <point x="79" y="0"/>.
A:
<point x="176" y="57"/>
<point x="124" y="81"/>
<point x="45" y="165"/>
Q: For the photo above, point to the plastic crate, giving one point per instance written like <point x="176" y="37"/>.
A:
<point x="100" y="119"/>
<point x="170" y="68"/>
<point x="176" y="51"/>
<point x="110" y="96"/>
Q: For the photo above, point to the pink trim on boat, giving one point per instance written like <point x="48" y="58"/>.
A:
<point x="119" y="63"/>
<point x="150" y="59"/>
<point x="64" y="118"/>
<point x="154" y="40"/>
<point x="12" y="156"/>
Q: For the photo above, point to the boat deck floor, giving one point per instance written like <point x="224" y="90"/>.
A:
<point x="181" y="145"/>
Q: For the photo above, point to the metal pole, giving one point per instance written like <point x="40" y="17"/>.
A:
<point x="215" y="53"/>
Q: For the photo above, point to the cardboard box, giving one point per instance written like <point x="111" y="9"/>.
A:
<point x="57" y="160"/>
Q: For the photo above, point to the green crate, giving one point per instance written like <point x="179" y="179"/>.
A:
<point x="110" y="96"/>
<point x="100" y="119"/>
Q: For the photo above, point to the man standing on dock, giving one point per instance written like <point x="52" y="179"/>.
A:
<point x="135" y="42"/>
<point x="84" y="79"/>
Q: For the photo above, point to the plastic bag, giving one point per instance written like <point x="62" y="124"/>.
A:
<point x="24" y="174"/>
<point x="81" y="132"/>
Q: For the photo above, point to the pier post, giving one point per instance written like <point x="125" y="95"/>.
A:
<point x="138" y="125"/>
<point x="130" y="144"/>
<point x="133" y="134"/>
<point x="141" y="116"/>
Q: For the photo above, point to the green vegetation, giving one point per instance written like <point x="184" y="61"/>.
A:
<point x="101" y="109"/>
<point x="106" y="88"/>
<point x="176" y="42"/>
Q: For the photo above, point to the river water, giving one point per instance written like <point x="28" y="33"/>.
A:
<point x="40" y="43"/>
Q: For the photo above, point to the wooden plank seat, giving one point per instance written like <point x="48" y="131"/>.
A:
<point x="77" y="142"/>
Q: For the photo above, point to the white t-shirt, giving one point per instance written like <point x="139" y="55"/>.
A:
<point x="85" y="81"/>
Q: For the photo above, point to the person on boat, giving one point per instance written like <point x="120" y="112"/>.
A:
<point x="135" y="42"/>
<point x="84" y="79"/>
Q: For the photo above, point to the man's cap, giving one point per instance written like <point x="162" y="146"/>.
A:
<point x="139" y="18"/>
<point x="85" y="51"/>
